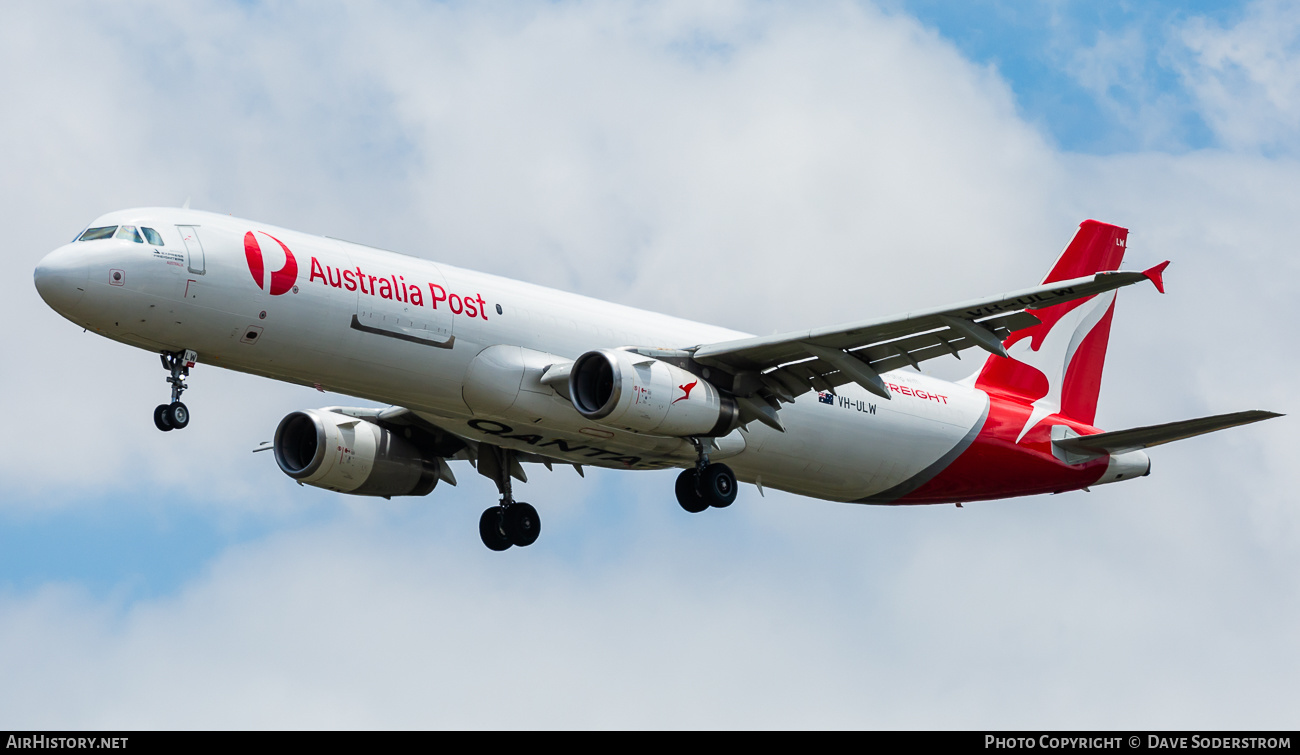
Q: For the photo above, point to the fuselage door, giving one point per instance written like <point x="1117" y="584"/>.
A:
<point x="193" y="247"/>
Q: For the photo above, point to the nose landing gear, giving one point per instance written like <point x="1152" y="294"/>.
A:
<point x="175" y="416"/>
<point x="706" y="485"/>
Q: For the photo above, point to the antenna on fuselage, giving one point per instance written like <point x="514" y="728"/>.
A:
<point x="186" y="206"/>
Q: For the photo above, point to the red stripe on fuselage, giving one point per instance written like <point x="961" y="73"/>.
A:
<point x="995" y="466"/>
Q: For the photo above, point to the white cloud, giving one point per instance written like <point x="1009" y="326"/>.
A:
<point x="1052" y="613"/>
<point x="1246" y="78"/>
<point x="812" y="166"/>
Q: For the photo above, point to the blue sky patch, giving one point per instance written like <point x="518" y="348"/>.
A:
<point x="1098" y="78"/>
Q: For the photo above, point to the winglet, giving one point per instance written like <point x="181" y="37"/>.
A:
<point x="1156" y="275"/>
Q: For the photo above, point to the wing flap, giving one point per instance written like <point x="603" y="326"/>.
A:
<point x="818" y="374"/>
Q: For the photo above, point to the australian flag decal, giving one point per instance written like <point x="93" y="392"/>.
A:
<point x="826" y="398"/>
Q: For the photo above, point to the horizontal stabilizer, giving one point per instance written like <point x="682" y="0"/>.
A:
<point x="1137" y="438"/>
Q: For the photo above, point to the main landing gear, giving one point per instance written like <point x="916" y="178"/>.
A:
<point x="175" y="416"/>
<point x="513" y="522"/>
<point x="706" y="485"/>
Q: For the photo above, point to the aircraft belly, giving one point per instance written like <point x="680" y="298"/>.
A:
<point x="589" y="444"/>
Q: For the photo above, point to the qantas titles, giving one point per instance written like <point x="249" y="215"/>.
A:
<point x="502" y="430"/>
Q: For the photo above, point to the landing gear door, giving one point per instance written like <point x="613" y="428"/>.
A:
<point x="410" y="304"/>
<point x="193" y="247"/>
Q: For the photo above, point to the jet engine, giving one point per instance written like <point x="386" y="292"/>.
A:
<point x="350" y="455"/>
<point x="646" y="395"/>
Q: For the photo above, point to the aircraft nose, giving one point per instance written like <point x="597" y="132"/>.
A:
<point x="61" y="279"/>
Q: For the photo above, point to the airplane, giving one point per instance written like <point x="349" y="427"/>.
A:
<point x="500" y="373"/>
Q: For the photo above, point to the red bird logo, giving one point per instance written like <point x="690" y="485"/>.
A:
<point x="686" y="391"/>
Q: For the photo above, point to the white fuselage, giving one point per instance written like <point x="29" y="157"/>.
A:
<point x="467" y="351"/>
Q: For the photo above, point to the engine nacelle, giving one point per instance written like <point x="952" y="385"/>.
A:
<point x="646" y="395"/>
<point x="350" y="455"/>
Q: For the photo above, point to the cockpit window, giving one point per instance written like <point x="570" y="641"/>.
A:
<point x="129" y="233"/>
<point x="152" y="236"/>
<point x="104" y="232"/>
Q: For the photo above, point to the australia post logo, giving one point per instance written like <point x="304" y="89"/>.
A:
<point x="383" y="286"/>
<point x="280" y="280"/>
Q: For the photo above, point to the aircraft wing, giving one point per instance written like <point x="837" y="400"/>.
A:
<point x="781" y="367"/>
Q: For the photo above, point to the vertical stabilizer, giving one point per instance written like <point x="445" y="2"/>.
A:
<point x="1056" y="366"/>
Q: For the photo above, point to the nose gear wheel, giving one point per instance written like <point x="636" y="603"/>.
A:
<point x="175" y="416"/>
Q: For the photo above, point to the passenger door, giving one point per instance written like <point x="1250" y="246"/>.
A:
<point x="193" y="248"/>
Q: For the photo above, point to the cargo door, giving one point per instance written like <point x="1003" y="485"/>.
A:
<point x="409" y="302"/>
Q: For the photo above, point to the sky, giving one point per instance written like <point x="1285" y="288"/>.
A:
<point x="761" y="166"/>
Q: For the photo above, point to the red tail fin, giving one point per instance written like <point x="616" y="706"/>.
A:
<point x="1057" y="365"/>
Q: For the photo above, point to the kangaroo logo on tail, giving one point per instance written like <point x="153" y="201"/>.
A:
<point x="1053" y="353"/>
<point x="1056" y="366"/>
